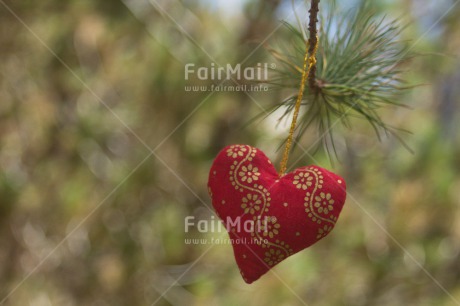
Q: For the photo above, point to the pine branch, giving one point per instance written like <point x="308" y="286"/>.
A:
<point x="313" y="40"/>
<point x="357" y="72"/>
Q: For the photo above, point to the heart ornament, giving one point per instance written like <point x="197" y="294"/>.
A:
<point x="269" y="217"/>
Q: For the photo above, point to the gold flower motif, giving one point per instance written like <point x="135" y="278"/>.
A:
<point x="303" y="180"/>
<point x="270" y="227"/>
<point x="235" y="151"/>
<point x="251" y="203"/>
<point x="273" y="257"/>
<point x="285" y="245"/>
<point x="322" y="232"/>
<point x="324" y="203"/>
<point x="249" y="173"/>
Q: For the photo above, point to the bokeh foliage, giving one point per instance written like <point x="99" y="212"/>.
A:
<point x="71" y="168"/>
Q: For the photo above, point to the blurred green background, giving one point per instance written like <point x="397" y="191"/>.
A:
<point x="103" y="154"/>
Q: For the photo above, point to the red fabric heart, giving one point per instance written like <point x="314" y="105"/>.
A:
<point x="268" y="217"/>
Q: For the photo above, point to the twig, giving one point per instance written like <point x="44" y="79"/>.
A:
<point x="313" y="41"/>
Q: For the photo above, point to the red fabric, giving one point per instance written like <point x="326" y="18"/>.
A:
<point x="288" y="214"/>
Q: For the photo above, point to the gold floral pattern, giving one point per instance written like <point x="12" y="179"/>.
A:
<point x="303" y="180"/>
<point x="251" y="203"/>
<point x="270" y="227"/>
<point x="319" y="204"/>
<point x="235" y="151"/>
<point x="285" y="245"/>
<point x="324" y="203"/>
<point x="272" y="257"/>
<point x="249" y="173"/>
<point x="322" y="232"/>
<point x="245" y="176"/>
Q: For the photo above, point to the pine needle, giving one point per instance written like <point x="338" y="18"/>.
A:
<point x="358" y="69"/>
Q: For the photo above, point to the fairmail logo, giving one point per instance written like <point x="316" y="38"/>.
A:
<point x="228" y="72"/>
<point x="235" y="225"/>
